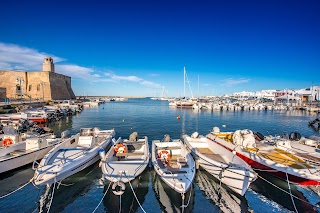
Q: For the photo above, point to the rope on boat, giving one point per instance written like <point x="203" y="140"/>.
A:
<point x="54" y="186"/>
<point x="287" y="192"/>
<point x="135" y="194"/>
<point x="294" y="205"/>
<point x="102" y="198"/>
<point x="21" y="187"/>
<point x="185" y="206"/>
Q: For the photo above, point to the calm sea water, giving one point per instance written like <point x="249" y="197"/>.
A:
<point x="82" y="192"/>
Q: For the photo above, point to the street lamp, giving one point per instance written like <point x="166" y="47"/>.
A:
<point x="21" y="81"/>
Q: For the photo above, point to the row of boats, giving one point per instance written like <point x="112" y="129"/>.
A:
<point x="230" y="157"/>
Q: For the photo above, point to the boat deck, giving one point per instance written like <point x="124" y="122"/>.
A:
<point x="285" y="158"/>
<point x="209" y="154"/>
<point x="65" y="155"/>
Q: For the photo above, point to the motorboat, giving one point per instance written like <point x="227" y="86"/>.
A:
<point x="21" y="149"/>
<point x="262" y="156"/>
<point x="173" y="163"/>
<point x="125" y="161"/>
<point x="219" y="162"/>
<point x="73" y="155"/>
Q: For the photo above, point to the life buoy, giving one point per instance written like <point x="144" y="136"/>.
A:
<point x="120" y="148"/>
<point x="121" y="188"/>
<point x="164" y="154"/>
<point x="7" y="142"/>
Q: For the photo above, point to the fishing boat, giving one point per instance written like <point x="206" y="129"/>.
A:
<point x="125" y="161"/>
<point x="262" y="156"/>
<point x="21" y="149"/>
<point x="219" y="162"/>
<point x="73" y="155"/>
<point x="39" y="118"/>
<point x="173" y="163"/>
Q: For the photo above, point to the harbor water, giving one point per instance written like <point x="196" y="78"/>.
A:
<point x="83" y="191"/>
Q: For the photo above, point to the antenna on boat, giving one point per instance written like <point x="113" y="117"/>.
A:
<point x="184" y="81"/>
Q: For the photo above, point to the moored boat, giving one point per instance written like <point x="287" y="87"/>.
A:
<point x="19" y="150"/>
<point x="219" y="162"/>
<point x="262" y="156"/>
<point x="174" y="164"/>
<point x="73" y="155"/>
<point x="125" y="161"/>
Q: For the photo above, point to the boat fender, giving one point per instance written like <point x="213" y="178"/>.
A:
<point x="102" y="153"/>
<point x="258" y="136"/>
<point x="215" y="129"/>
<point x="122" y="187"/>
<point x="7" y="142"/>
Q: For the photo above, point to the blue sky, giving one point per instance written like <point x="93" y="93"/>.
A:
<point x="135" y="48"/>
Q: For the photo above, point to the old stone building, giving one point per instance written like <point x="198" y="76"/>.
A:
<point x="41" y="85"/>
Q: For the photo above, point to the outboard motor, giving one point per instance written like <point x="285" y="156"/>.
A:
<point x="65" y="134"/>
<point x="215" y="129"/>
<point x="294" y="136"/>
<point x="195" y="135"/>
<point x="134" y="136"/>
<point x="166" y="138"/>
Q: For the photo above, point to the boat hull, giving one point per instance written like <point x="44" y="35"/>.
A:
<point x="24" y="159"/>
<point x="260" y="165"/>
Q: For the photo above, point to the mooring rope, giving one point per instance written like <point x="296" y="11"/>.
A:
<point x="102" y="198"/>
<point x="287" y="192"/>
<point x="135" y="195"/>
<point x="54" y="186"/>
<point x="294" y="205"/>
<point x="21" y="187"/>
<point x="120" y="206"/>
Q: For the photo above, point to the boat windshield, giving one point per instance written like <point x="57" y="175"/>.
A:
<point x="9" y="130"/>
<point x="86" y="132"/>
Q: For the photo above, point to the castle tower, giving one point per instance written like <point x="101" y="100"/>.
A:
<point x="48" y="65"/>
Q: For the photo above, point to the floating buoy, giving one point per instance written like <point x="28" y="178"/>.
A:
<point x="224" y="125"/>
<point x="178" y="117"/>
<point x="122" y="120"/>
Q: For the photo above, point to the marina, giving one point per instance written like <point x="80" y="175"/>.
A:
<point x="84" y="190"/>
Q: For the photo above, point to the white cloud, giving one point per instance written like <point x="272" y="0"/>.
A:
<point x="229" y="82"/>
<point x="15" y="57"/>
<point x="141" y="81"/>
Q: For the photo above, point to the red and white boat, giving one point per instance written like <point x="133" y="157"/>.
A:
<point x="39" y="118"/>
<point x="262" y="156"/>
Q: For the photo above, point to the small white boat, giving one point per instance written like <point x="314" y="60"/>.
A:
<point x="21" y="149"/>
<point x="219" y="162"/>
<point x="73" y="155"/>
<point x="125" y="161"/>
<point x="174" y="164"/>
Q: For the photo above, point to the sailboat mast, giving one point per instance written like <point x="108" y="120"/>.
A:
<point x="184" y="81"/>
<point x="198" y="88"/>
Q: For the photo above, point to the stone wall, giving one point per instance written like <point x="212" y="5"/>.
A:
<point x="37" y="85"/>
<point x="60" y="87"/>
<point x="3" y="94"/>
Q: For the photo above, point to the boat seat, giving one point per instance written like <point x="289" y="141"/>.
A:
<point x="182" y="162"/>
<point x="18" y="152"/>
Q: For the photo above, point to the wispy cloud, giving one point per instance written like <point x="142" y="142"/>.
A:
<point x="229" y="82"/>
<point x="141" y="81"/>
<point x="153" y="75"/>
<point x="15" y="57"/>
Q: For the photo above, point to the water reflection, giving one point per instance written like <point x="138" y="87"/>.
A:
<point x="127" y="201"/>
<point x="70" y="190"/>
<point x="277" y="194"/>
<point x="225" y="199"/>
<point x="169" y="200"/>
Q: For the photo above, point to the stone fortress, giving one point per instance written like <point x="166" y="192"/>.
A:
<point x="39" y="85"/>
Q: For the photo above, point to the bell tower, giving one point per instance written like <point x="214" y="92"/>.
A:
<point x="47" y="64"/>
